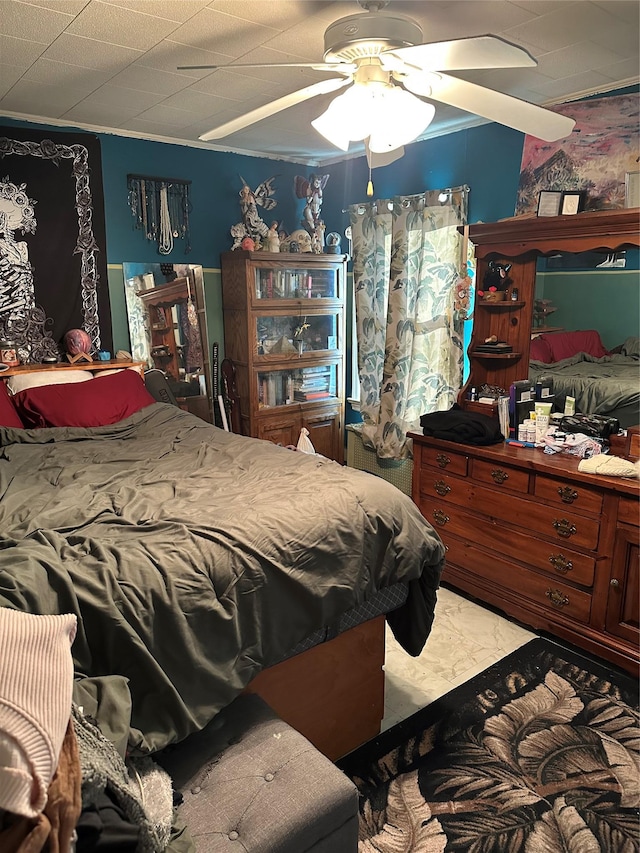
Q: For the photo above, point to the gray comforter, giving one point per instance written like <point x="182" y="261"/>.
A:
<point x="194" y="558"/>
<point x="608" y="386"/>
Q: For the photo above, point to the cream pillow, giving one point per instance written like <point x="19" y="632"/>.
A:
<point x="22" y="381"/>
<point x="111" y="371"/>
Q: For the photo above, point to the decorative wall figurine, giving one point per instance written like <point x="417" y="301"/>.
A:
<point x="311" y="189"/>
<point x="252" y="224"/>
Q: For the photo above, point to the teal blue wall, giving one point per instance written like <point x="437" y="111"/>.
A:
<point x="486" y="158"/>
<point x="594" y="299"/>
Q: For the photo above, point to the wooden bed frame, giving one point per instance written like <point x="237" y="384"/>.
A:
<point x="333" y="693"/>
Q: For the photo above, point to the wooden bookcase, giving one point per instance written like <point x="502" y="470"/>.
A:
<point x="284" y="328"/>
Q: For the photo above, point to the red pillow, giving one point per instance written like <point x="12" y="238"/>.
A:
<point x="8" y="415"/>
<point x="84" y="404"/>
<point x="539" y="350"/>
<point x="566" y="344"/>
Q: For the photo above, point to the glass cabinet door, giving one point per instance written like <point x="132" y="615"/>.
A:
<point x="294" y="334"/>
<point x="301" y="283"/>
<point x="303" y="385"/>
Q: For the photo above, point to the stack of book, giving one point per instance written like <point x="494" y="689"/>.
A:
<point x="314" y="384"/>
<point x="497" y="347"/>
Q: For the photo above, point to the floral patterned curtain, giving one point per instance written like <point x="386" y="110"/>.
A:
<point x="408" y="262"/>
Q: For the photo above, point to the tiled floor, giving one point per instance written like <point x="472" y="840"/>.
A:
<point x="466" y="638"/>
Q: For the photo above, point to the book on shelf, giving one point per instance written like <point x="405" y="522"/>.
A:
<point x="498" y="347"/>
<point x="308" y="396"/>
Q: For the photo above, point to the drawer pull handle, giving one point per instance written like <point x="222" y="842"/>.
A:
<point x="442" y="488"/>
<point x="440" y="517"/>
<point x="560" y="563"/>
<point x="614" y="582"/>
<point x="567" y="494"/>
<point x="557" y="598"/>
<point x="499" y="476"/>
<point x="443" y="460"/>
<point x="564" y="528"/>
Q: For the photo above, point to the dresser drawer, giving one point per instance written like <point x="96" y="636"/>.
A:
<point x="558" y="562"/>
<point x="500" y="476"/>
<point x="551" y="595"/>
<point x="444" y="460"/>
<point x="564" y="493"/>
<point x="629" y="511"/>
<point x="558" y="524"/>
<point x="436" y="485"/>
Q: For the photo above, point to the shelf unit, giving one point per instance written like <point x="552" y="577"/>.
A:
<point x="284" y="329"/>
<point x="520" y="241"/>
<point x="159" y="303"/>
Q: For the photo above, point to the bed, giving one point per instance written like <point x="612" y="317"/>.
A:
<point x="602" y="382"/>
<point x="197" y="561"/>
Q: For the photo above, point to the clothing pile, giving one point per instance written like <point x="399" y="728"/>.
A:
<point x="462" y="426"/>
<point x="64" y="785"/>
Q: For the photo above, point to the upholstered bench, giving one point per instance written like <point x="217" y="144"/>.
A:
<point x="252" y="784"/>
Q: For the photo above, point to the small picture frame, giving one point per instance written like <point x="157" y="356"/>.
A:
<point x="549" y="202"/>
<point x="572" y="202"/>
<point x="632" y="189"/>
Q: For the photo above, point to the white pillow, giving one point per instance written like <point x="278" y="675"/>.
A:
<point x="22" y="381"/>
<point x="112" y="370"/>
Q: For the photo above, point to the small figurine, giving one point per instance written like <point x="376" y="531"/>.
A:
<point x="272" y="239"/>
<point x="333" y="243"/>
<point x="302" y="238"/>
<point x="497" y="275"/>
<point x="248" y="244"/>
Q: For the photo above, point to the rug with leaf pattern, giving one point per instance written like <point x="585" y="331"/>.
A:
<point x="538" y="754"/>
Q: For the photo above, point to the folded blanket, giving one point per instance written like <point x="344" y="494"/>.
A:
<point x="610" y="466"/>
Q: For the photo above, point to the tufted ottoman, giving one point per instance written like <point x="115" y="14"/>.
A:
<point x="252" y="784"/>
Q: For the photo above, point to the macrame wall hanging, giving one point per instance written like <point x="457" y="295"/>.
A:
<point x="160" y="208"/>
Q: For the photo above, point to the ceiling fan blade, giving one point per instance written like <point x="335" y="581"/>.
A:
<point x="496" y="106"/>
<point x="236" y="124"/>
<point x="339" y="67"/>
<point x="473" y="52"/>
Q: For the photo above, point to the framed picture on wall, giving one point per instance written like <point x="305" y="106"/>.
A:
<point x="632" y="189"/>
<point x="572" y="202"/>
<point x="549" y="202"/>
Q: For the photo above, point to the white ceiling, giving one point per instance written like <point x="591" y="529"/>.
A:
<point x="110" y="65"/>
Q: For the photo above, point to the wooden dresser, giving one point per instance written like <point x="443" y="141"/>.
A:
<point x="528" y="533"/>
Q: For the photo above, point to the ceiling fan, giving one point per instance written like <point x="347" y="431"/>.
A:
<point x="389" y="72"/>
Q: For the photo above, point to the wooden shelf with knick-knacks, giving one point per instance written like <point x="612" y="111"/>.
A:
<point x="519" y="241"/>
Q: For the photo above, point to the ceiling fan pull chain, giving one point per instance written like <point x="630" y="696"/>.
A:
<point x="370" y="184"/>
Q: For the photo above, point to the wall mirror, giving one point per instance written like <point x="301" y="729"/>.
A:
<point x="596" y="290"/>
<point x="168" y="330"/>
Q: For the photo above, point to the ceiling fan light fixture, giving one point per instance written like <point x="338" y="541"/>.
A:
<point x="329" y="126"/>
<point x="386" y="114"/>
<point x="401" y="119"/>
<point x="349" y="116"/>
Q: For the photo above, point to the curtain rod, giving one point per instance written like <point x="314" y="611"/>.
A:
<point x="463" y="189"/>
